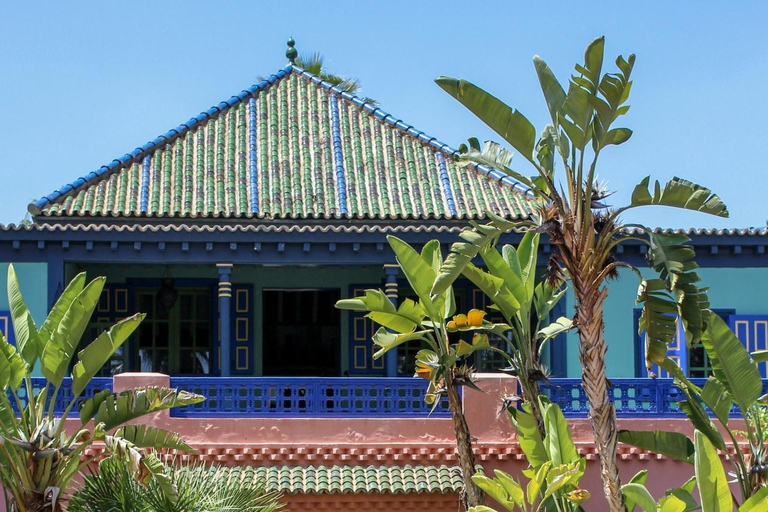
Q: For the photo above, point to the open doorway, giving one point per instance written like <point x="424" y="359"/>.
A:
<point x="302" y="333"/>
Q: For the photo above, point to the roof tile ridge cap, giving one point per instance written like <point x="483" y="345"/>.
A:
<point x="105" y="171"/>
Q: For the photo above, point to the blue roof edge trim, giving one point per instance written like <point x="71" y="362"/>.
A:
<point x="36" y="207"/>
<point x="410" y="130"/>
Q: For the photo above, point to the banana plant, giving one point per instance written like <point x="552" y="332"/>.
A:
<point x="429" y="321"/>
<point x="569" y="204"/>
<point x="554" y="471"/>
<point x="38" y="455"/>
<point x="709" y="476"/>
<point x="735" y="382"/>
<point x="510" y="283"/>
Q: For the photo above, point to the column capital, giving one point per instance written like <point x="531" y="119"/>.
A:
<point x="391" y="269"/>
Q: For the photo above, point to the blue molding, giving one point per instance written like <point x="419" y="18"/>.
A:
<point x="168" y="137"/>
<point x="446" y="183"/>
<point x="252" y="170"/>
<point x="341" y="184"/>
<point x="145" y="164"/>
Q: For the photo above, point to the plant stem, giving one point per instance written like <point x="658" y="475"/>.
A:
<point x="473" y="496"/>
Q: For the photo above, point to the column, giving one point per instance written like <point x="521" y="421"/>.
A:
<point x="225" y="299"/>
<point x="390" y="289"/>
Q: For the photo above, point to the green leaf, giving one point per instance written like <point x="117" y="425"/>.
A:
<point x="61" y="347"/>
<point x="462" y="253"/>
<point x="639" y="478"/>
<point x="556" y="328"/>
<point x="760" y="356"/>
<point x="59" y="309"/>
<point x="554" y="93"/>
<point x="510" y="124"/>
<point x="539" y="477"/>
<point x="492" y="155"/>
<point x="710" y="475"/>
<point x="731" y="364"/>
<point x="421" y="276"/>
<point x="672" y="444"/>
<point x="528" y="436"/>
<point x="617" y="136"/>
<point x="387" y="340"/>
<point x="130" y="404"/>
<point x="671" y="503"/>
<point x="144" y="436"/>
<point x="99" y="351"/>
<point x="558" y="441"/>
<point x="481" y="508"/>
<point x="23" y="324"/>
<point x="700" y="419"/>
<point x="511" y="486"/>
<point x="494" y="288"/>
<point x="560" y="476"/>
<point x="678" y="193"/>
<point x="758" y="502"/>
<point x="639" y="495"/>
<point x="90" y="406"/>
<point x="716" y="397"/>
<point x="13" y="369"/>
<point x="407" y="317"/>
<point x="495" y="490"/>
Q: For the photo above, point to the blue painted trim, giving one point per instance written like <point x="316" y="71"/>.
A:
<point x="145" y="164"/>
<point x="36" y="207"/>
<point x="341" y="184"/>
<point x="446" y="183"/>
<point x="252" y="170"/>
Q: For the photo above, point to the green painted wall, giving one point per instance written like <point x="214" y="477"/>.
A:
<point x="33" y="279"/>
<point x="742" y="289"/>
<point x="260" y="277"/>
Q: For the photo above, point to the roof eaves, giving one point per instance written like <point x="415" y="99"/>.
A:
<point x="36" y="207"/>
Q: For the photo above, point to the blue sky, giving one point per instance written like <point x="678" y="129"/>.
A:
<point x="83" y="83"/>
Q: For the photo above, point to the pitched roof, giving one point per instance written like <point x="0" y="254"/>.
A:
<point x="293" y="147"/>
<point x="353" y="479"/>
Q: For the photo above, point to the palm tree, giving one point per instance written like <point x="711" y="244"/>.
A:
<point x="583" y="230"/>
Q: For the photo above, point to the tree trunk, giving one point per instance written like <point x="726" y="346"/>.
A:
<point x="602" y="415"/>
<point x="472" y="495"/>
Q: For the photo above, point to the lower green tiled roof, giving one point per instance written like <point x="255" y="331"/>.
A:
<point x="354" y="479"/>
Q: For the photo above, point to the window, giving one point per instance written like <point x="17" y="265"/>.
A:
<point x="698" y="360"/>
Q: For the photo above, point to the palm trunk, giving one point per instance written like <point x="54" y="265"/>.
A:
<point x="472" y="495"/>
<point x="602" y="415"/>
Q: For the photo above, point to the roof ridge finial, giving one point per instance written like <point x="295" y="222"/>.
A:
<point x="291" y="52"/>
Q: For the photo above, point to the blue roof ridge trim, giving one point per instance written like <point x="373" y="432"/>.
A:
<point x="168" y="137"/>
<point x="341" y="184"/>
<point x="446" y="182"/>
<point x="252" y="166"/>
<point x="410" y="130"/>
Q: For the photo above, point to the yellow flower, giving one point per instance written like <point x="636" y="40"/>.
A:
<point x="577" y="495"/>
<point x="475" y="317"/>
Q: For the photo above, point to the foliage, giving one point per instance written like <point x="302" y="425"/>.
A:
<point x="38" y="458"/>
<point x="555" y="466"/>
<point x="710" y="477"/>
<point x="735" y="382"/>
<point x="200" y="488"/>
<point x="510" y="283"/>
<point x="569" y="205"/>
<point x="429" y="321"/>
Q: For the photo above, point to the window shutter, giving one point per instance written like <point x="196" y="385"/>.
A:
<point x="241" y="337"/>
<point x="116" y="302"/>
<point x="752" y="330"/>
<point x="361" y="330"/>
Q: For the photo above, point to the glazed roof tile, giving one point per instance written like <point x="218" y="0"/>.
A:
<point x="353" y="479"/>
<point x="290" y="147"/>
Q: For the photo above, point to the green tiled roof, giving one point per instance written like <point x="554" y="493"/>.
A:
<point x="292" y="147"/>
<point x="354" y="479"/>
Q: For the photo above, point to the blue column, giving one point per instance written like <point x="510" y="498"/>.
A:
<point x="56" y="277"/>
<point x="390" y="289"/>
<point x="225" y="299"/>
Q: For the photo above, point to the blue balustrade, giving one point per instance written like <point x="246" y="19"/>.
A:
<point x="258" y="397"/>
<point x="647" y="398"/>
<point x="64" y="397"/>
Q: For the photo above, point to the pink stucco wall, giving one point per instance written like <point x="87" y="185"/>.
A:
<point x="374" y="441"/>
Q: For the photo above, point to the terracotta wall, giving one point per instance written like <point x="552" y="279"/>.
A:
<point x="375" y="441"/>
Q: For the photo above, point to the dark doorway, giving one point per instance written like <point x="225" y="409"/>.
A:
<point x="302" y="334"/>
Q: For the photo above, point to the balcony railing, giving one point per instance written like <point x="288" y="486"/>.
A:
<point x="650" y="398"/>
<point x="256" y="397"/>
<point x="65" y="392"/>
<point x="382" y="397"/>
